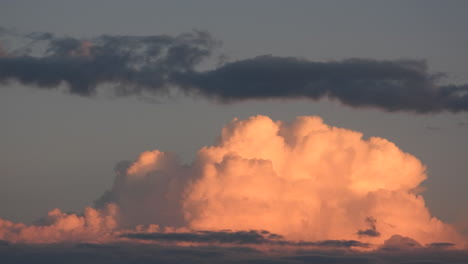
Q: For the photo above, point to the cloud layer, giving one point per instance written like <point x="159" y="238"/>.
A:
<point x="161" y="65"/>
<point x="130" y="253"/>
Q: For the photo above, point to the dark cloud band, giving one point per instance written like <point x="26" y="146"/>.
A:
<point x="251" y="237"/>
<point x="157" y="64"/>
<point x="154" y="253"/>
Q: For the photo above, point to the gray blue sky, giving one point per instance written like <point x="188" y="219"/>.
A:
<point x="59" y="150"/>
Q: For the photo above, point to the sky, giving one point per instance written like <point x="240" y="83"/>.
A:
<point x="67" y="126"/>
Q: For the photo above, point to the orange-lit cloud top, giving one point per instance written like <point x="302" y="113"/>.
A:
<point x="92" y="226"/>
<point x="304" y="180"/>
<point x="310" y="181"/>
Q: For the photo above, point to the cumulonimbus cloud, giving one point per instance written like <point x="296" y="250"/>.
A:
<point x="301" y="181"/>
<point x="159" y="64"/>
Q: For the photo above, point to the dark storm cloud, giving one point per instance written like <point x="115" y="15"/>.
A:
<point x="136" y="63"/>
<point x="390" y="85"/>
<point x="157" y="64"/>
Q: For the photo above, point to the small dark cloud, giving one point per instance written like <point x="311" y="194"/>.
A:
<point x="333" y="244"/>
<point x="462" y="124"/>
<point x="441" y="245"/>
<point x="372" y="230"/>
<point x="432" y="128"/>
<point x="368" y="232"/>
<point x="158" y="64"/>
